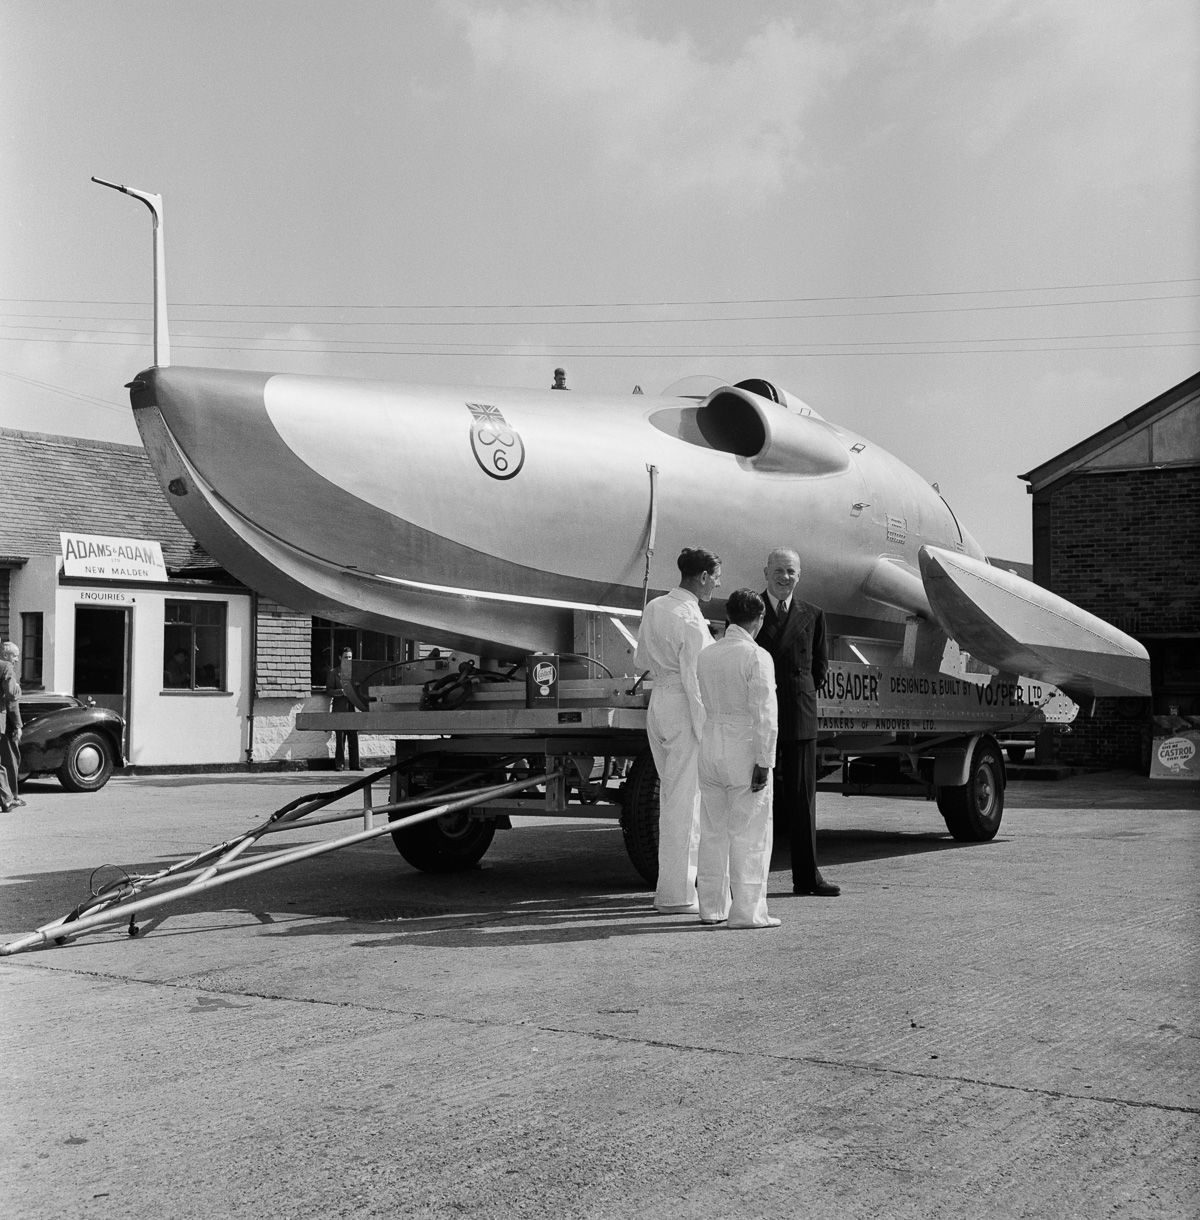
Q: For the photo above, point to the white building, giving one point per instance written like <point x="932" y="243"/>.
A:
<point x="111" y="599"/>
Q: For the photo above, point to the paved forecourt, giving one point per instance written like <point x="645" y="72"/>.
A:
<point x="1005" y="1029"/>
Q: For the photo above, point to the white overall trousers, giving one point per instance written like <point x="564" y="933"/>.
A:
<point x="737" y="686"/>
<point x="676" y="750"/>
<point x="672" y="636"/>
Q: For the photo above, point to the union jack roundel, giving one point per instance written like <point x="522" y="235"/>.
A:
<point x="497" y="447"/>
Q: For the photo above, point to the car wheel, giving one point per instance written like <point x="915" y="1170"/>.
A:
<point x="87" y="764"/>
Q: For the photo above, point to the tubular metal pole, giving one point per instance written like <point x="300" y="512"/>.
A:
<point x="294" y="816"/>
<point x="116" y="914"/>
<point x="178" y="872"/>
<point x="162" y="342"/>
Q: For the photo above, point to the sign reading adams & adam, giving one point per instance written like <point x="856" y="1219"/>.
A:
<point x="102" y="558"/>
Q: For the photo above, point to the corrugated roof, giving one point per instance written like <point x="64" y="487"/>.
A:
<point x="52" y="483"/>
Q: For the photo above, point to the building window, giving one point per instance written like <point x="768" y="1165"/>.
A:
<point x="372" y="650"/>
<point x="1175" y="675"/>
<point x="194" y="646"/>
<point x="31" y="649"/>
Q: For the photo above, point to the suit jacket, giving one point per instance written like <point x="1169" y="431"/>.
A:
<point x="333" y="684"/>
<point x="798" y="649"/>
<point x="10" y="694"/>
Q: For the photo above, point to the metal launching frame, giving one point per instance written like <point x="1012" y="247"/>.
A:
<point x="118" y="900"/>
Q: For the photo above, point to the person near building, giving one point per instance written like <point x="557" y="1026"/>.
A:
<point x="177" y="673"/>
<point x="336" y="680"/>
<point x="672" y="636"/>
<point x="10" y="727"/>
<point x="737" y="753"/>
<point x="793" y="632"/>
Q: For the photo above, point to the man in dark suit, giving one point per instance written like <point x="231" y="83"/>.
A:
<point x="10" y="726"/>
<point x="793" y="632"/>
<point x="337" y="679"/>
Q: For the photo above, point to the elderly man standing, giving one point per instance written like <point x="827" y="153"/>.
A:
<point x="737" y="752"/>
<point x="673" y="634"/>
<point x="10" y="726"/>
<point x="793" y="632"/>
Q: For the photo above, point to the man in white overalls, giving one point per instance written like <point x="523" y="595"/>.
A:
<point x="672" y="636"/>
<point x="737" y="752"/>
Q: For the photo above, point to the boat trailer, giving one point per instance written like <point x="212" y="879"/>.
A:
<point x="462" y="766"/>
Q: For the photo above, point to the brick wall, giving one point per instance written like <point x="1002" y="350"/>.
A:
<point x="5" y="633"/>
<point x="284" y="646"/>
<point x="1126" y="546"/>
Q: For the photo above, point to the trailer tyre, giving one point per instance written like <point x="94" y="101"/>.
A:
<point x="87" y="763"/>
<point x="448" y="844"/>
<point x="639" y="816"/>
<point x="972" y="811"/>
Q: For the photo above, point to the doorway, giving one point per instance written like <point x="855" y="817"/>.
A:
<point x="102" y="659"/>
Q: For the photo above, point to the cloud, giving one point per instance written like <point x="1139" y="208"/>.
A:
<point x="658" y="110"/>
<point x="1098" y="83"/>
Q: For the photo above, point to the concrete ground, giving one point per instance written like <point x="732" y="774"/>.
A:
<point x="998" y="1030"/>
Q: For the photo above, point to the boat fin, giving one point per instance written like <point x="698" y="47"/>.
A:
<point x="1019" y="627"/>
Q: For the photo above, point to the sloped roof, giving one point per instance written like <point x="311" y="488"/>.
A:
<point x="1163" y="432"/>
<point x="52" y="483"/>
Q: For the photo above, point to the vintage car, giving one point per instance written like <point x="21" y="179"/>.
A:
<point x="77" y="741"/>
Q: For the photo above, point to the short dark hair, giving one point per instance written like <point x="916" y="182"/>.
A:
<point x="694" y="559"/>
<point x="743" y="606"/>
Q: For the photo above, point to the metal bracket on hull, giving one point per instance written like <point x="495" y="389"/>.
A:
<point x="652" y="530"/>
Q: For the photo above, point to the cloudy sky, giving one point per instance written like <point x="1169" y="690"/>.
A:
<point x="964" y="228"/>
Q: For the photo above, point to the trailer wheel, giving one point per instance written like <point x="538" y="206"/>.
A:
<point x="639" y="816"/>
<point x="972" y="811"/>
<point x="448" y="844"/>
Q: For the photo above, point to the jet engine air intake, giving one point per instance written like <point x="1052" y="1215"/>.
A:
<point x="772" y="437"/>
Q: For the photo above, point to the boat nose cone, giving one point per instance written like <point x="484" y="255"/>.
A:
<point x="211" y="413"/>
<point x="221" y="422"/>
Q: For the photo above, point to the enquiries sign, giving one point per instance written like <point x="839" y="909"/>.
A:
<point x="103" y="558"/>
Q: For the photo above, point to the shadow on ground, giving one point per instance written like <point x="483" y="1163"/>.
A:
<point x="565" y="878"/>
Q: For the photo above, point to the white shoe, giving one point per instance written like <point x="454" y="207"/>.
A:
<point x="771" y="922"/>
<point x="688" y="908"/>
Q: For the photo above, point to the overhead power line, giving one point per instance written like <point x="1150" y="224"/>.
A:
<point x="90" y="399"/>
<point x="883" y="313"/>
<point x="880" y="296"/>
<point x="583" y="352"/>
<point x="247" y="342"/>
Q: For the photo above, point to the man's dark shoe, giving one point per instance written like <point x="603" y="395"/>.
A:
<point x="819" y="888"/>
